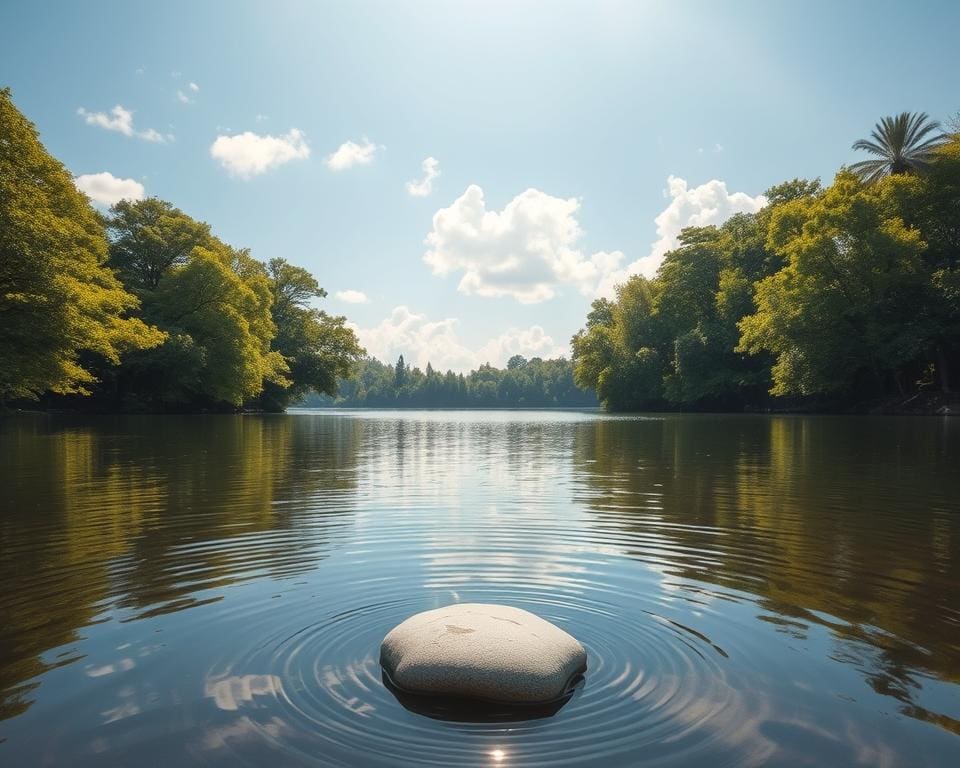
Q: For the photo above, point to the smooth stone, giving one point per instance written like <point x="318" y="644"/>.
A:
<point x="490" y="652"/>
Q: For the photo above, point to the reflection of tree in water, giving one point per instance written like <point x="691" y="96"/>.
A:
<point x="142" y="514"/>
<point x="817" y="517"/>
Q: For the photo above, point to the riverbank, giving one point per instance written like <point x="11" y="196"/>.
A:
<point x="918" y="404"/>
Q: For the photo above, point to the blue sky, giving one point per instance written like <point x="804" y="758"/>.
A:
<point x="572" y="140"/>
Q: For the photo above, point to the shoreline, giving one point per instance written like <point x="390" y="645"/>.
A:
<point x="920" y="404"/>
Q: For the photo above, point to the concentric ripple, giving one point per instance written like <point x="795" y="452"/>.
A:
<point x="650" y="682"/>
<point x="215" y="591"/>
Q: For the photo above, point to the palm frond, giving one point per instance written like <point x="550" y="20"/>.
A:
<point x="869" y="146"/>
<point x="868" y="170"/>
<point x="901" y="142"/>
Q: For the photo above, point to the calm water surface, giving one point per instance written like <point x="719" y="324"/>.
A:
<point x="213" y="590"/>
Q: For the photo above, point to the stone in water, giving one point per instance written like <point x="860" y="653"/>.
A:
<point x="494" y="653"/>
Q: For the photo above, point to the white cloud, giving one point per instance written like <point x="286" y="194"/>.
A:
<point x="249" y="154"/>
<point x="106" y="189"/>
<point x="351" y="296"/>
<point x="529" y="342"/>
<point x="350" y="154"/>
<point x="188" y="98"/>
<point x="153" y="135"/>
<point x="421" y="340"/>
<point x="710" y="203"/>
<point x="530" y="249"/>
<point x="525" y="251"/>
<point x="120" y="119"/>
<point x="422" y="188"/>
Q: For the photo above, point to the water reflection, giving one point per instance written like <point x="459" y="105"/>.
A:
<point x="214" y="590"/>
<point x="126" y="518"/>
<point x="849" y="524"/>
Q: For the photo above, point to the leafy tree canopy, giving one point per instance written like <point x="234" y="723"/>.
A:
<point x="61" y="308"/>
<point x="318" y="349"/>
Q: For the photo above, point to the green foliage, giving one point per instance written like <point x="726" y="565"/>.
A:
<point x="616" y="354"/>
<point x="849" y="292"/>
<point x="62" y="311"/>
<point x="149" y="238"/>
<point x="534" y="383"/>
<point x="902" y="144"/>
<point x="318" y="349"/>
<point x="842" y="312"/>
<point x="670" y="341"/>
<point x="225" y="312"/>
<point x="213" y="301"/>
<point x="200" y="324"/>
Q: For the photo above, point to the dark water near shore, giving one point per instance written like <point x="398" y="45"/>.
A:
<point x="213" y="590"/>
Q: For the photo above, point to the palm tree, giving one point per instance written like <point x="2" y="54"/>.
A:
<point x="901" y="144"/>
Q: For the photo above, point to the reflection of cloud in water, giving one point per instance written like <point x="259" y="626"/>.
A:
<point x="332" y="680"/>
<point x="121" y="711"/>
<point x="124" y="665"/>
<point x="242" y="729"/>
<point x="127" y="707"/>
<point x="231" y="692"/>
<point x="751" y="723"/>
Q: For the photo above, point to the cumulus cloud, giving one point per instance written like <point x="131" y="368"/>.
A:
<point x="529" y="342"/>
<point x="120" y="119"/>
<point x="422" y="188"/>
<point x="183" y="98"/>
<point x="106" y="189"/>
<point x="421" y="340"/>
<point x="530" y="249"/>
<point x="351" y="296"/>
<point x="350" y="154"/>
<point x="194" y="87"/>
<point x="524" y="251"/>
<point x="709" y="203"/>
<point x="249" y="154"/>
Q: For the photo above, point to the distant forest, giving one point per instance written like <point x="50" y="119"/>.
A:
<point x="533" y="383"/>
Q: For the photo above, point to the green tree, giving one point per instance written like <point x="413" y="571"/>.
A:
<point x="400" y="375"/>
<point x="213" y="301"/>
<point x="150" y="237"/>
<point x="319" y="349"/>
<point x="617" y="355"/>
<point x="62" y="311"/>
<point x="902" y="144"/>
<point x="932" y="205"/>
<point x="538" y="383"/>
<point x="841" y="315"/>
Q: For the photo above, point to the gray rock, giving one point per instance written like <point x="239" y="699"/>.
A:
<point x="489" y="652"/>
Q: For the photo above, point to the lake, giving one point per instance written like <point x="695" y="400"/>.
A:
<point x="213" y="590"/>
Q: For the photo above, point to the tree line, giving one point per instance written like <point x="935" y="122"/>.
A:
<point x="144" y="308"/>
<point x="533" y="383"/>
<point x="830" y="296"/>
